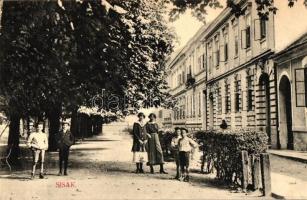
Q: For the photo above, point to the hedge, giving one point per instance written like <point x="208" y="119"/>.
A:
<point x="224" y="148"/>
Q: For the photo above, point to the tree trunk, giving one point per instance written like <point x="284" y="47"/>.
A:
<point x="74" y="123"/>
<point x="90" y="126"/>
<point x="13" y="150"/>
<point x="54" y="127"/>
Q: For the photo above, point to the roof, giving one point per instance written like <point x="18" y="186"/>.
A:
<point x="302" y="39"/>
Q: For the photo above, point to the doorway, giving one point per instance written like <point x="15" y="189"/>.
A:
<point x="286" y="134"/>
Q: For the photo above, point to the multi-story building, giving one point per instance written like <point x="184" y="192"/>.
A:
<point x="241" y="75"/>
<point x="186" y="79"/>
<point x="291" y="70"/>
<point x="239" y="83"/>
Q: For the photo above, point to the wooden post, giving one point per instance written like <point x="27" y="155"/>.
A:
<point x="265" y="174"/>
<point x="255" y="172"/>
<point x="244" y="156"/>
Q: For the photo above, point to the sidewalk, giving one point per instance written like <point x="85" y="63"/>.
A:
<point x="288" y="187"/>
<point x="289" y="182"/>
<point x="290" y="154"/>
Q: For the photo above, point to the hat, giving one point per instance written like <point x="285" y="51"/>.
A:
<point x="141" y="114"/>
<point x="152" y="115"/>
<point x="185" y="129"/>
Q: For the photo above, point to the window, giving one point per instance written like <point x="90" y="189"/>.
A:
<point x="238" y="100"/>
<point x="248" y="31"/>
<point x="219" y="100"/>
<point x="199" y="60"/>
<point x="225" y="44"/>
<point x="262" y="28"/>
<point x="301" y="87"/>
<point x="217" y="52"/>
<point x="226" y="51"/>
<point x="193" y="108"/>
<point x="199" y="105"/>
<point x="250" y="91"/>
<point x="236" y="36"/>
<point x="227" y="98"/>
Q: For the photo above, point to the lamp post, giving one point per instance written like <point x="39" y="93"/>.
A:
<point x="1" y="5"/>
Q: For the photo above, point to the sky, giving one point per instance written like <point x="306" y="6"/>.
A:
<point x="290" y="23"/>
<point x="187" y="25"/>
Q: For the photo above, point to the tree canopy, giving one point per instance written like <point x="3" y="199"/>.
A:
<point x="200" y="7"/>
<point x="63" y="54"/>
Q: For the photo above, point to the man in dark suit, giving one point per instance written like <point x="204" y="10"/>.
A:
<point x="66" y="140"/>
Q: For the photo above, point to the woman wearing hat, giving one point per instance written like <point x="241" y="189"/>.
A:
<point x="155" y="153"/>
<point x="139" y="143"/>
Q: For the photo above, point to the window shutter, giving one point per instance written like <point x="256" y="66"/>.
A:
<point x="243" y="39"/>
<point x="222" y="53"/>
<point x="300" y="87"/>
<point x="257" y="29"/>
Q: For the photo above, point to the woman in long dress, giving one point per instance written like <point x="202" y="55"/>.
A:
<point x="139" y="143"/>
<point x="155" y="153"/>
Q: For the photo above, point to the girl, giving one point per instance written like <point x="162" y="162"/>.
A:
<point x="139" y="143"/>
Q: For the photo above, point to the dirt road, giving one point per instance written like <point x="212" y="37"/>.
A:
<point x="101" y="168"/>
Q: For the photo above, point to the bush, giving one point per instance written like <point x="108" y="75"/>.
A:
<point x="165" y="138"/>
<point x="224" y="148"/>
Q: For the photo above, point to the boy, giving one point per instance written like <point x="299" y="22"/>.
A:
<point x="185" y="146"/>
<point x="38" y="142"/>
<point x="65" y="141"/>
<point x="175" y="150"/>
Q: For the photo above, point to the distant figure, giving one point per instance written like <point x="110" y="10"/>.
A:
<point x="139" y="143"/>
<point x="155" y="153"/>
<point x="175" y="150"/>
<point x="65" y="141"/>
<point x="223" y="125"/>
<point x="185" y="146"/>
<point x="38" y="142"/>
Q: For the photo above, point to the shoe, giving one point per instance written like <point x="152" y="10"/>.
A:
<point x="176" y="177"/>
<point x="32" y="176"/>
<point x="65" y="174"/>
<point x="181" y="178"/>
<point x="41" y="176"/>
<point x="186" y="179"/>
<point x="163" y="172"/>
<point x="141" y="171"/>
<point x="60" y="174"/>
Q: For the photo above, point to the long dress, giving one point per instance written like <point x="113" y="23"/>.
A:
<point x="155" y="154"/>
<point x="139" y="150"/>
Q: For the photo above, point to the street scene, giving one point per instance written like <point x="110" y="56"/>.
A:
<point x="146" y="99"/>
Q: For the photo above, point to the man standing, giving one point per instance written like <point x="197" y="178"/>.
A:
<point x="65" y="141"/>
<point x="38" y="142"/>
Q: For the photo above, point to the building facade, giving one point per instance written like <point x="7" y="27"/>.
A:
<point x="240" y="85"/>
<point x="291" y="70"/>
<point x="186" y="79"/>
<point x="238" y="77"/>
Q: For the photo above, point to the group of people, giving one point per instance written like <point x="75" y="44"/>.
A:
<point x="146" y="147"/>
<point x="38" y="143"/>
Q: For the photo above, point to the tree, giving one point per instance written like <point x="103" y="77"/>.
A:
<point x="199" y="7"/>
<point x="34" y="71"/>
<point x="56" y="57"/>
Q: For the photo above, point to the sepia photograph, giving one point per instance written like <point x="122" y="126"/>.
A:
<point x="153" y="99"/>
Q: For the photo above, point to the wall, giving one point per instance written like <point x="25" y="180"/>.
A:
<point x="299" y="126"/>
